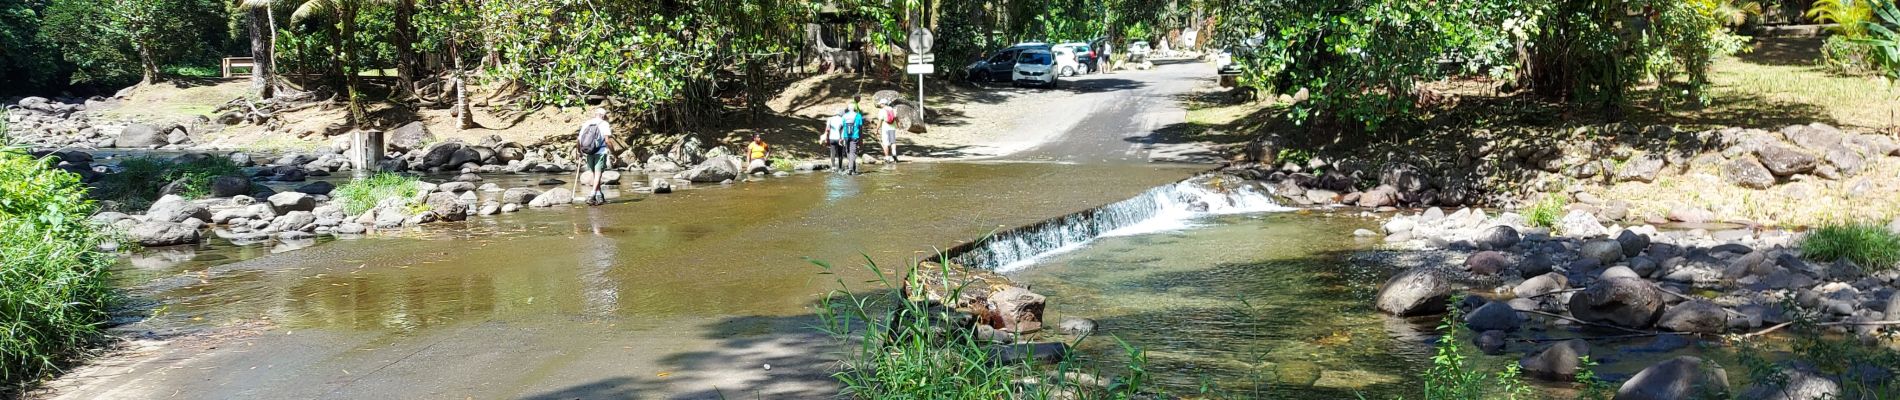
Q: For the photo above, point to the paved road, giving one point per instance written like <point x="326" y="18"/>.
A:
<point x="1117" y="118"/>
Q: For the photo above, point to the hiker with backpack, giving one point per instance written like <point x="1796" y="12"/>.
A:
<point x="887" y="127"/>
<point x="595" y="148"/>
<point x="852" y="135"/>
<point x="833" y="125"/>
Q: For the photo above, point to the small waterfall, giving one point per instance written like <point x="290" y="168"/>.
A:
<point x="1163" y="208"/>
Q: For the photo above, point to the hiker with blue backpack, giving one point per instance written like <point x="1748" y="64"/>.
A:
<point x="852" y="132"/>
<point x="595" y="150"/>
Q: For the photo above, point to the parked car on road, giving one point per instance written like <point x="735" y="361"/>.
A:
<point x="1035" y="66"/>
<point x="1066" y="64"/>
<point x="1001" y="64"/>
<point x="1085" y="55"/>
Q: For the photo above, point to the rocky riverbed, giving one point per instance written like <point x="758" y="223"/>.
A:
<point x="1522" y="282"/>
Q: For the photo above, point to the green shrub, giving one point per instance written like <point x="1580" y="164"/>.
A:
<point x="1546" y="212"/>
<point x="363" y="194"/>
<point x="1847" y="57"/>
<point x="53" y="286"/>
<point x="1883" y="38"/>
<point x="1870" y="245"/>
<point x="910" y="355"/>
<point x="141" y="179"/>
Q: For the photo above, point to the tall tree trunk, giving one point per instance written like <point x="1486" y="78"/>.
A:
<point x="148" y="64"/>
<point x="261" y="76"/>
<point x="463" y="118"/>
<point x="405" y="38"/>
<point x="346" y="26"/>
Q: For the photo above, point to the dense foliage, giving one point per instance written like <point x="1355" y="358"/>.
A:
<point x="53" y="290"/>
<point x="1361" y="63"/>
<point x="107" y="42"/>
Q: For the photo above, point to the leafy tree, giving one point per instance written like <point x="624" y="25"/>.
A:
<point x="341" y="13"/>
<point x="27" y="60"/>
<point x="262" y="29"/>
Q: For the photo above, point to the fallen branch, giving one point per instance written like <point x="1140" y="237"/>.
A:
<point x="1611" y="337"/>
<point x="1566" y="318"/>
<point x="1836" y="323"/>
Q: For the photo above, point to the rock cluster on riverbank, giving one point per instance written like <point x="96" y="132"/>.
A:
<point x="1522" y="280"/>
<point x="1797" y="174"/>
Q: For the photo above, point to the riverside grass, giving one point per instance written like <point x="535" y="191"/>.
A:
<point x="53" y="279"/>
<point x="363" y="194"/>
<point x="1870" y="245"/>
<point x="141" y="180"/>
<point x="916" y="353"/>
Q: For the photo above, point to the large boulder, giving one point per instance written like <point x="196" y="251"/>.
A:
<point x="1697" y="316"/>
<point x="1488" y="262"/>
<point x="1640" y="169"/>
<point x="139" y="136"/>
<point x="408" y="137"/>
<point x="1683" y="377"/>
<point x="1784" y="161"/>
<point x="163" y="233"/>
<point x="1558" y="361"/>
<point x="1493" y="316"/>
<point x="1626" y="302"/>
<point x="1405" y="177"/>
<point x="1605" y="251"/>
<point x="230" y="186"/>
<point x="1744" y="171"/>
<point x="176" y="209"/>
<point x="294" y="221"/>
<point x="1550" y="282"/>
<point x="1579" y="223"/>
<point x="520" y="196"/>
<point x="1498" y="238"/>
<point x="1417" y="291"/>
<point x="318" y="188"/>
<point x="440" y="155"/>
<point x="1801" y="384"/>
<point x="284" y="203"/>
<point x="1633" y="243"/>
<point x="1019" y="309"/>
<point x="714" y="170"/>
<point x="553" y="197"/>
<point x="447" y="206"/>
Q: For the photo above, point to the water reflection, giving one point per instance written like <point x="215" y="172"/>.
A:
<point x="600" y="255"/>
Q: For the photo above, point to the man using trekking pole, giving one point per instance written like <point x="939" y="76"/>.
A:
<point x="594" y="149"/>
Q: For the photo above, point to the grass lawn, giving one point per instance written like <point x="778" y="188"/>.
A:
<point x="1781" y="82"/>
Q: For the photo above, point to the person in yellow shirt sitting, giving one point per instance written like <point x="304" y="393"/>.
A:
<point x="755" y="155"/>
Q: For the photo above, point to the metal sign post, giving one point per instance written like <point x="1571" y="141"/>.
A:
<point x="921" y="63"/>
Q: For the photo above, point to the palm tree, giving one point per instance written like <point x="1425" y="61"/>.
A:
<point x="343" y="12"/>
<point x="263" y="53"/>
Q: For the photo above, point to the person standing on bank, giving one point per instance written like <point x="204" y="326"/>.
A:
<point x="595" y="148"/>
<point x="755" y="155"/>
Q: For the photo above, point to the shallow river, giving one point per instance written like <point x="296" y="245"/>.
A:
<point x="687" y="294"/>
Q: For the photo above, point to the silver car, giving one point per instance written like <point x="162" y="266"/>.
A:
<point x="1035" y="67"/>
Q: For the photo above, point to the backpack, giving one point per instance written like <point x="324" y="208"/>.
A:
<point x="591" y="141"/>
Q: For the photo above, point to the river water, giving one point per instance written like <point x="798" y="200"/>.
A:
<point x="686" y="294"/>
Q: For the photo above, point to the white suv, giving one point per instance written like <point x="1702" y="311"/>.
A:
<point x="1035" y="66"/>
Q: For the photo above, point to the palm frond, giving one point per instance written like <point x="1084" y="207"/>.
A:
<point x="316" y="8"/>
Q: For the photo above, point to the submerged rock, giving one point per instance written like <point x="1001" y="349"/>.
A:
<point x="1558" y="361"/>
<point x="1683" y="377"/>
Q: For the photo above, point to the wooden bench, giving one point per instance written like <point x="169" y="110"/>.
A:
<point x="248" y="64"/>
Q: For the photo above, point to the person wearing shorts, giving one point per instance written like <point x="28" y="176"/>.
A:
<point x="596" y="161"/>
